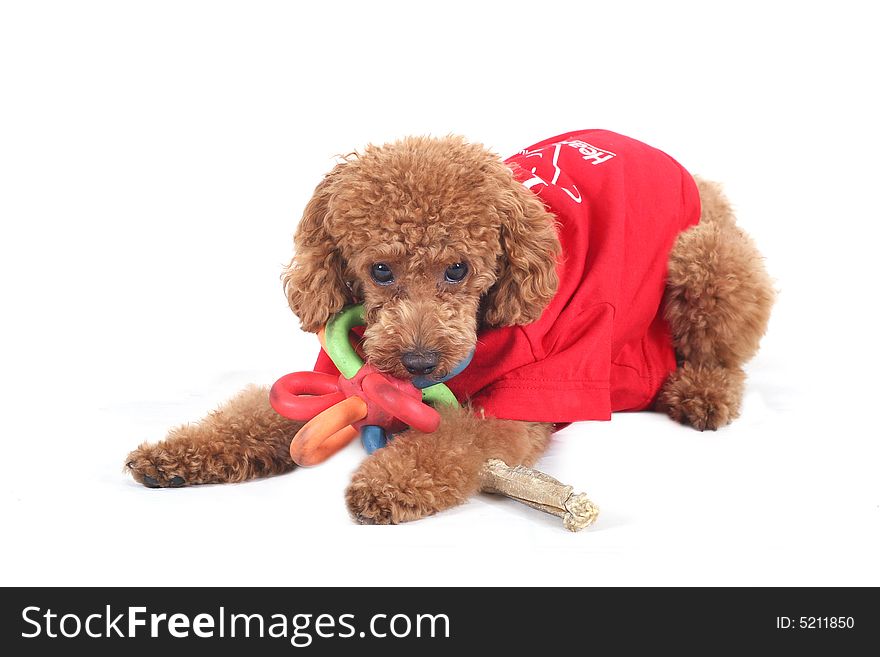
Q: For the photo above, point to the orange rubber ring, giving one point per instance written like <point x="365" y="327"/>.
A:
<point x="321" y="436"/>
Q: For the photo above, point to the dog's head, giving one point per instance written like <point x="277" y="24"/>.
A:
<point x="434" y="236"/>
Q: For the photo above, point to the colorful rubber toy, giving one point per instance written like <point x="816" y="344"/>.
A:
<point x="361" y="400"/>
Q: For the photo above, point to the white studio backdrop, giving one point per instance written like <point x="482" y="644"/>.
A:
<point x="154" y="160"/>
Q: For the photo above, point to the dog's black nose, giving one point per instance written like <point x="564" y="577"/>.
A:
<point x="420" y="362"/>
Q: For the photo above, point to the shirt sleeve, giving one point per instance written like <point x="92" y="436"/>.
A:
<point x="568" y="383"/>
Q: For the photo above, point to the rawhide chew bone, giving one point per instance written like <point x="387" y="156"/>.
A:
<point x="539" y="491"/>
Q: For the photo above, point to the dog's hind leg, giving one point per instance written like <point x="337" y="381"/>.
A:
<point x="718" y="301"/>
<point x="244" y="439"/>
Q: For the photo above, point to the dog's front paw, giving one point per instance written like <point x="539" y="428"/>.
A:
<point x="703" y="397"/>
<point x="369" y="504"/>
<point x="377" y="498"/>
<point x="154" y="466"/>
<point x="415" y="476"/>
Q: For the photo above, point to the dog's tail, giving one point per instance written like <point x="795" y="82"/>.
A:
<point x="715" y="207"/>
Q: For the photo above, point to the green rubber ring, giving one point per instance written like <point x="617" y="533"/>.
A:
<point x="348" y="362"/>
<point x="336" y="338"/>
<point x="439" y="394"/>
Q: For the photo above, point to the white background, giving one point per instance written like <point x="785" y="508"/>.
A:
<point x="155" y="157"/>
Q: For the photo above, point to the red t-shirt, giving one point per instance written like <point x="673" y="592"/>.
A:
<point x="602" y="345"/>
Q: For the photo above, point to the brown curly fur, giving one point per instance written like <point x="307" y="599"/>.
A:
<point x="419" y="474"/>
<point x="704" y="396"/>
<point x="243" y="439"/>
<point x="718" y="301"/>
<point x="418" y="206"/>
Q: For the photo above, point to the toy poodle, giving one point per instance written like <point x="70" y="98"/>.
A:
<point x="587" y="274"/>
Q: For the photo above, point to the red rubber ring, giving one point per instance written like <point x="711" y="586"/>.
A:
<point x="411" y="411"/>
<point x="302" y="395"/>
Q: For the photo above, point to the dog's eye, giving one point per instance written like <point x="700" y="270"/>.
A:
<point x="456" y="273"/>
<point x="382" y="273"/>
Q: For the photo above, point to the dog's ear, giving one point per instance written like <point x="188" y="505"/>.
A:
<point x="527" y="277"/>
<point x="313" y="281"/>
